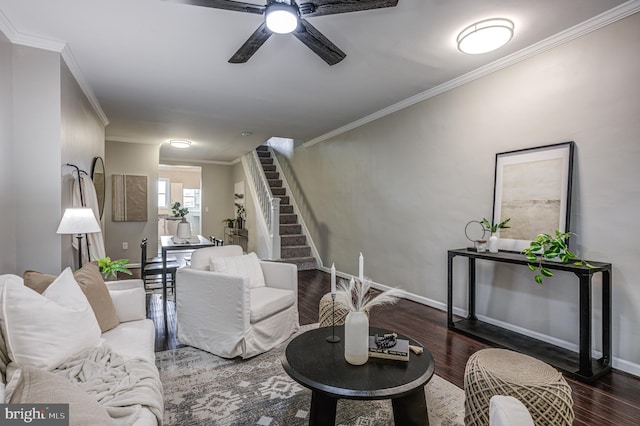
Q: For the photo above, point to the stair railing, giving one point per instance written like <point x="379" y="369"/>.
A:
<point x="269" y="205"/>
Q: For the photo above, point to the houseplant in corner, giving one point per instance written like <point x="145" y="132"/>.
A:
<point x="556" y="249"/>
<point x="494" y="228"/>
<point x="110" y="268"/>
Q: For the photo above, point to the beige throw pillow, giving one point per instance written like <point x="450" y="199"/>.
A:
<point x="92" y="284"/>
<point x="37" y="281"/>
<point x="36" y="386"/>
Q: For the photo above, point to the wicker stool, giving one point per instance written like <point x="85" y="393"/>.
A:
<point x="540" y="387"/>
<point x="325" y="311"/>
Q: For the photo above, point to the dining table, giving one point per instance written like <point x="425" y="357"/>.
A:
<point x="171" y="243"/>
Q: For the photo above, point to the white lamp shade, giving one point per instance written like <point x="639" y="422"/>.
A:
<point x="485" y="36"/>
<point x="78" y="221"/>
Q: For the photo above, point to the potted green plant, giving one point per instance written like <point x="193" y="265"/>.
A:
<point x="229" y="222"/>
<point x="179" y="211"/>
<point x="110" y="268"/>
<point x="240" y="213"/>
<point x="494" y="228"/>
<point x="546" y="247"/>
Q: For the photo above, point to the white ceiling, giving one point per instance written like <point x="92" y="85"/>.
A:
<point x="159" y="70"/>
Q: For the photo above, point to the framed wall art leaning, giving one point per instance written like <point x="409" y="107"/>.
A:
<point x="533" y="187"/>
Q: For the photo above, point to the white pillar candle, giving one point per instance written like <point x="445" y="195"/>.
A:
<point x="333" y="278"/>
<point x="361" y="268"/>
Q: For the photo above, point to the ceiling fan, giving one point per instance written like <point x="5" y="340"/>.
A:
<point x="287" y="16"/>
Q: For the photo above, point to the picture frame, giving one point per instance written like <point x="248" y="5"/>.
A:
<point x="533" y="187"/>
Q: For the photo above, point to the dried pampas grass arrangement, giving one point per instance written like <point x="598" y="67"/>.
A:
<point x="355" y="295"/>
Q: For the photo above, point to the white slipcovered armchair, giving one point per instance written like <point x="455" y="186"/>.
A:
<point x="223" y="307"/>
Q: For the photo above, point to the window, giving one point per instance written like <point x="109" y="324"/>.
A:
<point x="191" y="198"/>
<point x="163" y="193"/>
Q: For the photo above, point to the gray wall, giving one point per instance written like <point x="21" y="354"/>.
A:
<point x="82" y="139"/>
<point x="7" y="176"/>
<point x="46" y="122"/>
<point x="401" y="189"/>
<point x="37" y="165"/>
<point x="139" y="160"/>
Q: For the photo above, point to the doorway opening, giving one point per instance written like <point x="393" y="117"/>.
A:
<point x="182" y="184"/>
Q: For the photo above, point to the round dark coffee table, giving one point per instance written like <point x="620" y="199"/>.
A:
<point x="320" y="366"/>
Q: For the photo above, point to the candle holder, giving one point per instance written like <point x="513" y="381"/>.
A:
<point x="333" y="338"/>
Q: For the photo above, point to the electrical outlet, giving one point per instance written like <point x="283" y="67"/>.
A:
<point x="125" y="246"/>
<point x="206" y="209"/>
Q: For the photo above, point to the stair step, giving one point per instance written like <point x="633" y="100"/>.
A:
<point x="290" y="229"/>
<point x="264" y="154"/>
<point x="284" y="199"/>
<point x="303" y="263"/>
<point x="286" y="209"/>
<point x="279" y="192"/>
<point x="292" y="240"/>
<point x="269" y="167"/>
<point x="275" y="183"/>
<point x="267" y="161"/>
<point x="288" y="218"/>
<point x="272" y="175"/>
<point x="262" y="148"/>
<point x="288" y="252"/>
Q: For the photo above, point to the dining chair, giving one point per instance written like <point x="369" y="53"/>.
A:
<point x="151" y="272"/>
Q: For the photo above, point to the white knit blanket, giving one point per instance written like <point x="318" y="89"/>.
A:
<point x="122" y="387"/>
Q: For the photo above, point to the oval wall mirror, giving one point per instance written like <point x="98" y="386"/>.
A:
<point x="98" y="178"/>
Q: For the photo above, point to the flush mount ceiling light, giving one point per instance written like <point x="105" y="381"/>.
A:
<point x="282" y="17"/>
<point x="485" y="36"/>
<point x="180" y="143"/>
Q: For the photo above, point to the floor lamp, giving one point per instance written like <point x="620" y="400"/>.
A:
<point x="78" y="221"/>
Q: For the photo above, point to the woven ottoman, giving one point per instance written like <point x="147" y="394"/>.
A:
<point x="540" y="387"/>
<point x="325" y="311"/>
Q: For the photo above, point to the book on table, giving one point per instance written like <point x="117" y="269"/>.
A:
<point x="399" y="352"/>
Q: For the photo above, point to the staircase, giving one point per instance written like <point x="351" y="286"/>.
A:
<point x="293" y="244"/>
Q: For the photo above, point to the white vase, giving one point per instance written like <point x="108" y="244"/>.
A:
<point x="356" y="338"/>
<point x="493" y="243"/>
<point x="184" y="230"/>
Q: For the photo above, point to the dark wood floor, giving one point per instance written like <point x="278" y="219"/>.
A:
<point x="612" y="400"/>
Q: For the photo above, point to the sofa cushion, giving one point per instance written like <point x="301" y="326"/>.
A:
<point x="247" y="265"/>
<point x="266" y="301"/>
<point x="133" y="339"/>
<point x="130" y="304"/>
<point x="92" y="284"/>
<point x="44" y="330"/>
<point x="36" y="386"/>
<point x="37" y="281"/>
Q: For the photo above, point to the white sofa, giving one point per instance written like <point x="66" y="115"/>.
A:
<point x="133" y="339"/>
<point x="228" y="313"/>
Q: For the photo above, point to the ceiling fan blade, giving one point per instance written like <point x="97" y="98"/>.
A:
<point x="331" y="7"/>
<point x="252" y="45"/>
<point x="317" y="42"/>
<point x="236" y="6"/>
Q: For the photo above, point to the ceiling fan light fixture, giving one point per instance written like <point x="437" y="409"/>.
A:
<point x="485" y="36"/>
<point x="281" y="18"/>
<point x="180" y="143"/>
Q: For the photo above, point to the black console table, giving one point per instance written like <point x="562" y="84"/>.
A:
<point x="581" y="365"/>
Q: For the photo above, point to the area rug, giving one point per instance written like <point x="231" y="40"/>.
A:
<point x="203" y="389"/>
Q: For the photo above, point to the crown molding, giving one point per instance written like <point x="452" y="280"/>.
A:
<point x="57" y="46"/>
<point x="586" y="27"/>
